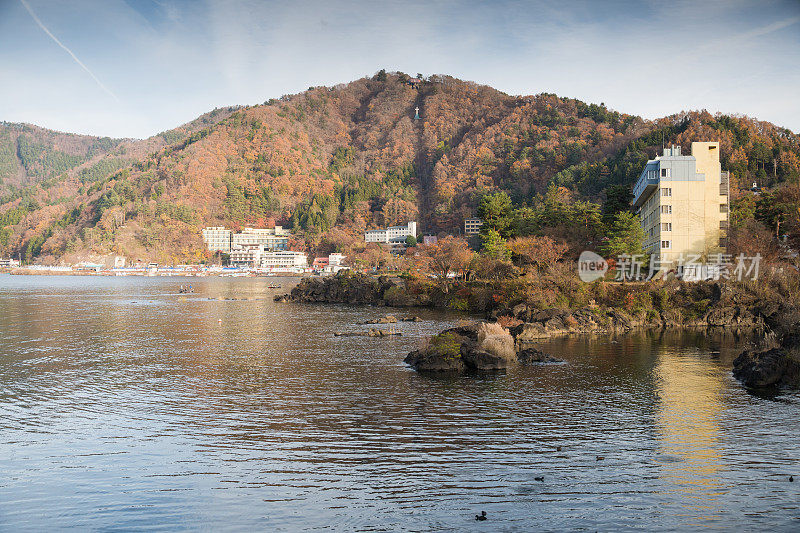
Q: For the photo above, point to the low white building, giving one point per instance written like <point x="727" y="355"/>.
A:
<point x="8" y="263"/>
<point x="259" y="256"/>
<point x="284" y="260"/>
<point x="247" y="256"/>
<point x="336" y="259"/>
<point x="391" y="234"/>
<point x="335" y="263"/>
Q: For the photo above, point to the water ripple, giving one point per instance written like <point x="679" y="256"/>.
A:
<point x="126" y="406"/>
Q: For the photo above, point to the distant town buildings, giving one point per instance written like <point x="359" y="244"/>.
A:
<point x="682" y="202"/>
<point x="8" y="263"/>
<point x="472" y="226"/>
<point x="393" y="234"/>
<point x="219" y="239"/>
<point x="329" y="265"/>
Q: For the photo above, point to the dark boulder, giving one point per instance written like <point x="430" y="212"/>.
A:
<point x="529" y="356"/>
<point x="766" y="368"/>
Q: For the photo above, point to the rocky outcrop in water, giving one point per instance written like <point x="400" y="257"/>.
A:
<point x="373" y="332"/>
<point x="760" y="369"/>
<point x="482" y="347"/>
<point x="344" y="288"/>
<point x="388" y="319"/>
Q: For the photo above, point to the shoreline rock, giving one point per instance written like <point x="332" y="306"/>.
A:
<point x="767" y="368"/>
<point x="343" y="288"/>
<point x="362" y="289"/>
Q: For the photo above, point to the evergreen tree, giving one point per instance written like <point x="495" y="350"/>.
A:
<point x="625" y="236"/>
<point x="494" y="245"/>
<point x="495" y="211"/>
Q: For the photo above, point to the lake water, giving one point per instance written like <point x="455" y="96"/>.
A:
<point x="125" y="405"/>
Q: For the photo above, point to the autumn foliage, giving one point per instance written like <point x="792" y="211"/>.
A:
<point x="333" y="161"/>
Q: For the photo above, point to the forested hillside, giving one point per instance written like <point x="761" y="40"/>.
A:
<point x="31" y="155"/>
<point x="332" y="161"/>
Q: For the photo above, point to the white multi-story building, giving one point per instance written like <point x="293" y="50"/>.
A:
<point x="284" y="259"/>
<point x="259" y="256"/>
<point x="275" y="238"/>
<point x="472" y="226"/>
<point x="392" y="234"/>
<point x="375" y="235"/>
<point x="682" y="202"/>
<point x="247" y="256"/>
<point x="218" y="239"/>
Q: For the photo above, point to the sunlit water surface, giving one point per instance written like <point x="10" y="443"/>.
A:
<point x="125" y="405"/>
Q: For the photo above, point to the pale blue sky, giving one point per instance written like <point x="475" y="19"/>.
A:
<point x="132" y="68"/>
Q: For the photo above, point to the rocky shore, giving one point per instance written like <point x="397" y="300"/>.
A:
<point x="699" y="305"/>
<point x="513" y="326"/>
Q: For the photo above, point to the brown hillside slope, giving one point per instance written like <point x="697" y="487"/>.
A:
<point x="354" y="156"/>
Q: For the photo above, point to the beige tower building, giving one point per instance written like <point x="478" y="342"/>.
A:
<point x="682" y="202"/>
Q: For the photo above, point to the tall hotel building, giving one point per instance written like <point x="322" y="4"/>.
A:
<point x="682" y="202"/>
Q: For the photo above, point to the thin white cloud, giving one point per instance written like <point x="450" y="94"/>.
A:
<point x="59" y="43"/>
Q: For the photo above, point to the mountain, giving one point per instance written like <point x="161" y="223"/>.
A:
<point x="30" y="155"/>
<point x="348" y="157"/>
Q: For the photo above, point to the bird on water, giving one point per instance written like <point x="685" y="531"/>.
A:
<point x="481" y="516"/>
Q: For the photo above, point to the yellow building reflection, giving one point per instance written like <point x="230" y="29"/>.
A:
<point x="689" y="386"/>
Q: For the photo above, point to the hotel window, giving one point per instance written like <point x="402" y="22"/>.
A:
<point x="666" y="226"/>
<point x="723" y="208"/>
<point x="666" y="172"/>
<point x="666" y="209"/>
<point x="666" y="191"/>
<point x="666" y="244"/>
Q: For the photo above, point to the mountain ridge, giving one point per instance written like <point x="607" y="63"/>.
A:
<point x="348" y="157"/>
